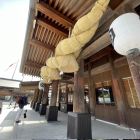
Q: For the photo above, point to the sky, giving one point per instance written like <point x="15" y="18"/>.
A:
<point x="14" y="15"/>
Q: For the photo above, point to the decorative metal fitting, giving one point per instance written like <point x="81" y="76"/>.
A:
<point x="133" y="52"/>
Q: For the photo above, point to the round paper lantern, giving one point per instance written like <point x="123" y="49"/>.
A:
<point x="125" y="33"/>
<point x="41" y="85"/>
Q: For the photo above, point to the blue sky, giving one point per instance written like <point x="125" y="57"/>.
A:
<point x="14" y="14"/>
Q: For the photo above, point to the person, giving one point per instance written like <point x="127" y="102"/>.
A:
<point x="15" y="99"/>
<point x="21" y="106"/>
<point x="10" y="102"/>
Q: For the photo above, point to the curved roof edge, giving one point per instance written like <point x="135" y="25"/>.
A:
<point x="28" y="28"/>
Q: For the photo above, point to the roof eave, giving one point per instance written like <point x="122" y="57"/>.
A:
<point x="28" y="28"/>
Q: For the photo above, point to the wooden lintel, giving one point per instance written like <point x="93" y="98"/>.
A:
<point x="95" y="47"/>
<point x="29" y="87"/>
<point x="110" y="48"/>
<point x="98" y="55"/>
<point x="42" y="45"/>
<point x="30" y="64"/>
<point x="69" y="75"/>
<point x="100" y="40"/>
<point x="65" y="81"/>
<point x="52" y="28"/>
<point x="51" y="12"/>
<point x="105" y="27"/>
<point x="115" y="3"/>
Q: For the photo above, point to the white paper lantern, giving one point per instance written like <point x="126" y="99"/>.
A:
<point x="41" y="85"/>
<point x="125" y="33"/>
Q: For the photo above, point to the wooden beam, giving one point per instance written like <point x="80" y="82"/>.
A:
<point x="98" y="45"/>
<point x="98" y="55"/>
<point x="51" y="12"/>
<point x="101" y="38"/>
<point x="33" y="83"/>
<point x="115" y="3"/>
<point x="42" y="45"/>
<point x="30" y="64"/>
<point x="110" y="48"/>
<point x="102" y="29"/>
<point x="29" y="87"/>
<point x="50" y="23"/>
<point x="65" y="81"/>
<point x="70" y="75"/>
<point x="51" y="27"/>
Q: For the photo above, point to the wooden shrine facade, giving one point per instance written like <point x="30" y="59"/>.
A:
<point x="109" y="90"/>
<point x="106" y="106"/>
<point x="104" y="93"/>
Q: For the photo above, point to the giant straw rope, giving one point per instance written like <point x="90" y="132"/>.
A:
<point x="69" y="49"/>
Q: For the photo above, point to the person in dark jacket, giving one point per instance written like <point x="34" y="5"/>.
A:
<point x="21" y="106"/>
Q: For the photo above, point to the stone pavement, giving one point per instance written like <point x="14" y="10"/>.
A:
<point x="7" y="121"/>
<point x="36" y="127"/>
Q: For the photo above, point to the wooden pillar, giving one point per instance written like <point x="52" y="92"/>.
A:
<point x="66" y="94"/>
<point x="54" y="93"/>
<point x="79" y="122"/>
<point x="39" y="96"/>
<point x="36" y="96"/>
<point x="118" y="92"/>
<point x="32" y="102"/>
<point x="91" y="91"/>
<point x="45" y="94"/>
<point x="36" y="93"/>
<point x="59" y="94"/>
<point x="43" y="106"/>
<point x="133" y="59"/>
<point x="78" y="101"/>
<point x="71" y="99"/>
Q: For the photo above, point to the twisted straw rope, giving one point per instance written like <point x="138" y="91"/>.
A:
<point x="82" y="32"/>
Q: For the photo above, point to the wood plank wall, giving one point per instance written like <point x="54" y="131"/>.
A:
<point x="110" y="113"/>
